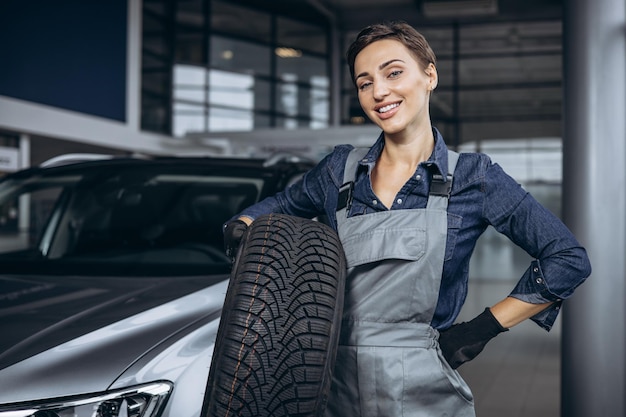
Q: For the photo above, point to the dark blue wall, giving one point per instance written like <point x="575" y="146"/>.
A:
<point x="68" y="53"/>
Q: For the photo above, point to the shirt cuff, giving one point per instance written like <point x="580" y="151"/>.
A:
<point x="532" y="288"/>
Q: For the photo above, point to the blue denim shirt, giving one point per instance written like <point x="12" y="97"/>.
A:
<point x="482" y="194"/>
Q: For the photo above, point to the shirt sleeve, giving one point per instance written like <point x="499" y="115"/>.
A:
<point x="561" y="264"/>
<point x="305" y="198"/>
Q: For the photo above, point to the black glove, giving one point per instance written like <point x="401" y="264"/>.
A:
<point x="233" y="233"/>
<point x="464" y="341"/>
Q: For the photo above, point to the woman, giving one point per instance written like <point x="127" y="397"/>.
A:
<point x="408" y="213"/>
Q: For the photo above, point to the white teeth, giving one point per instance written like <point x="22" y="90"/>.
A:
<point x="387" y="108"/>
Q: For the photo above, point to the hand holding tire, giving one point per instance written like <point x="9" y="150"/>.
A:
<point x="233" y="233"/>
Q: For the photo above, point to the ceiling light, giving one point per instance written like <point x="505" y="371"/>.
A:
<point x="459" y="8"/>
<point x="284" y="52"/>
<point x="357" y="120"/>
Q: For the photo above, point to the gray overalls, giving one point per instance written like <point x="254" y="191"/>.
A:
<point x="388" y="361"/>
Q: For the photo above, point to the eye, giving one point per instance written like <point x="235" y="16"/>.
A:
<point x="395" y="73"/>
<point x="364" y="86"/>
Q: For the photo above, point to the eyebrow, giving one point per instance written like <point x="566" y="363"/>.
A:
<point x="380" y="67"/>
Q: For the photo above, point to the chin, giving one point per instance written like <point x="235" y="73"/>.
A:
<point x="392" y="129"/>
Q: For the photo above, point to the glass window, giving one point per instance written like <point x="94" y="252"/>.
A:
<point x="222" y="95"/>
<point x="190" y="31"/>
<point x="446" y="128"/>
<point x="306" y="67"/>
<point x="188" y="118"/>
<point x="441" y="106"/>
<point x="228" y="89"/>
<point x="190" y="83"/>
<point x="190" y="48"/>
<point x="238" y="90"/>
<point x="352" y="108"/>
<point x="441" y="40"/>
<point x="262" y="96"/>
<point x="529" y="161"/>
<point x="229" y="19"/>
<point x="262" y="121"/>
<point x="536" y="102"/>
<point x="156" y="82"/>
<point x="444" y="72"/>
<point x="240" y="56"/>
<point x="155" y="26"/>
<point x="511" y="37"/>
<point x="289" y="123"/>
<point x="235" y="67"/>
<point x="510" y="69"/>
<point x="155" y="113"/>
<point x="297" y="100"/>
<point x="189" y="93"/>
<point x="287" y="96"/>
<point x="222" y="120"/>
<point x="156" y="69"/>
<point x="299" y="35"/>
<point x="303" y="90"/>
<point x="347" y="83"/>
<point x="320" y="102"/>
<point x="9" y="140"/>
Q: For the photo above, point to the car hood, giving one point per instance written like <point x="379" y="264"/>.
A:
<point x="71" y="335"/>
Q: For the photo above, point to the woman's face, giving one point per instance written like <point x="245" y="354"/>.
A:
<point x="393" y="88"/>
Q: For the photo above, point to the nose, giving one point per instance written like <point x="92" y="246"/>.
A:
<point x="380" y="89"/>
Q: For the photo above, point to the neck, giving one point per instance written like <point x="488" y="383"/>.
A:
<point x="410" y="151"/>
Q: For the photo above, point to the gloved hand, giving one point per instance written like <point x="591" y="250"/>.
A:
<point x="233" y="233"/>
<point x="464" y="341"/>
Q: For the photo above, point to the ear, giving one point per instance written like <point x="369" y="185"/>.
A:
<point x="431" y="72"/>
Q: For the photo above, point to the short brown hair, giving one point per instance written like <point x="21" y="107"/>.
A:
<point x="397" y="30"/>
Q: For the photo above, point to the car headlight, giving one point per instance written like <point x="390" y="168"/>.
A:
<point x="140" y="401"/>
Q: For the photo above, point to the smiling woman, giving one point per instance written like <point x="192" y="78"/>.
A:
<point x="409" y="212"/>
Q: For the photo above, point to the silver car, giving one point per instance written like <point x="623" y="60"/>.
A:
<point x="112" y="280"/>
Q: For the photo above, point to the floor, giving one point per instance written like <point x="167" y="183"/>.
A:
<point x="518" y="373"/>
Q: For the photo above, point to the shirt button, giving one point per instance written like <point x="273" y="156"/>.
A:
<point x="374" y="202"/>
<point x="399" y="201"/>
<point x="539" y="280"/>
<point x="418" y="177"/>
<point x="535" y="269"/>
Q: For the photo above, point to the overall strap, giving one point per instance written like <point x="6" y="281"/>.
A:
<point x="349" y="175"/>
<point x="440" y="187"/>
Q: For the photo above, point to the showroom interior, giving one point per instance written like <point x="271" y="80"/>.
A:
<point x="539" y="85"/>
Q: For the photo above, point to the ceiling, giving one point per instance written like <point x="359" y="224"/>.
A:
<point x="499" y="61"/>
<point x="352" y="15"/>
<point x="356" y="13"/>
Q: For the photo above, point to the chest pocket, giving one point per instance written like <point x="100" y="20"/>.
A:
<point x="454" y="224"/>
<point x="375" y="245"/>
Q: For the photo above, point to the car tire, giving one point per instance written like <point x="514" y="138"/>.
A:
<point x="278" y="334"/>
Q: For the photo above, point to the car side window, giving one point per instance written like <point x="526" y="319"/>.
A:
<point x="24" y="217"/>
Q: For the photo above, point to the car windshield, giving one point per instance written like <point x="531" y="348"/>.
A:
<point x="143" y="219"/>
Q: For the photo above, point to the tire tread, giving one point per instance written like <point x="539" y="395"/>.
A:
<point x="278" y="333"/>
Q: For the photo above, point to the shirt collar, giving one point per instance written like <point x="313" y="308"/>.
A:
<point x="438" y="160"/>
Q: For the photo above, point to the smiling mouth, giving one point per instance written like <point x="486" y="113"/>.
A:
<point x="388" y="107"/>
